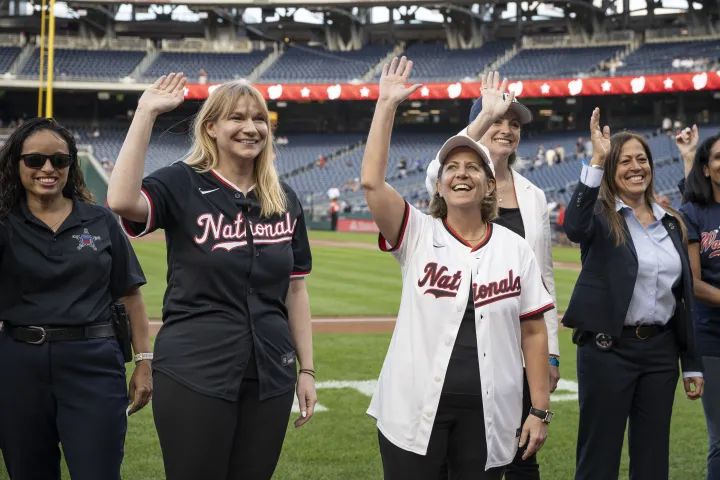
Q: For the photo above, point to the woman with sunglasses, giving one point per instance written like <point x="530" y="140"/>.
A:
<point x="63" y="263"/>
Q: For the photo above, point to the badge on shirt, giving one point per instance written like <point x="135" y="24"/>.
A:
<point x="86" y="240"/>
<point x="288" y="359"/>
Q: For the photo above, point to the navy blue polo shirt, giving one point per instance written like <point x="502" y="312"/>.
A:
<point x="229" y="271"/>
<point x="65" y="278"/>
<point x="703" y="224"/>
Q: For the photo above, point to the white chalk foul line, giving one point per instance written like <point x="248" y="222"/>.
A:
<point x="156" y="323"/>
<point x="567" y="391"/>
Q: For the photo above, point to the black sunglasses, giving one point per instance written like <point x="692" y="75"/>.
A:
<point x="37" y="160"/>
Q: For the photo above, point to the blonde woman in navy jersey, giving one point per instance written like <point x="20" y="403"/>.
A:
<point x="236" y="316"/>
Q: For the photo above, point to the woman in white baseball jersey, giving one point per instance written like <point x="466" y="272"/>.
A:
<point x="522" y="208"/>
<point x="468" y="287"/>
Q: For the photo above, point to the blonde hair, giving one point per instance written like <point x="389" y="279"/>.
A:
<point x="204" y="155"/>
<point x="488" y="207"/>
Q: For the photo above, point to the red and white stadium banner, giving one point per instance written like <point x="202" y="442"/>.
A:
<point x="675" y="82"/>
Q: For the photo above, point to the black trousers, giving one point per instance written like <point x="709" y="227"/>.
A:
<point x="519" y="469"/>
<point x="458" y="435"/>
<point x="71" y="393"/>
<point x="636" y="379"/>
<point x="207" y="438"/>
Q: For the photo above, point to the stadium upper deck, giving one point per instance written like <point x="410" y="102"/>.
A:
<point x="301" y="64"/>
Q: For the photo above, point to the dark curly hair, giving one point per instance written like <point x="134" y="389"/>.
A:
<point x="11" y="188"/>
<point x="698" y="187"/>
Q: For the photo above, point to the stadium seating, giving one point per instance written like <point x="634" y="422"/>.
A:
<point x="87" y="64"/>
<point x="318" y="65"/>
<point x="220" y="67"/>
<point x="7" y="57"/>
<point x="436" y="62"/>
<point x="658" y="57"/>
<point x="416" y="148"/>
<point x="303" y="150"/>
<point x="297" y="160"/>
<point x="557" y="62"/>
<point x="167" y="146"/>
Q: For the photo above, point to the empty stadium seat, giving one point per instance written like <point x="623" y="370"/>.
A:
<point x="658" y="57"/>
<point x="220" y="67"/>
<point x="7" y="57"/>
<point x="319" y="65"/>
<point x="557" y="62"/>
<point x="436" y="62"/>
<point x="87" y="64"/>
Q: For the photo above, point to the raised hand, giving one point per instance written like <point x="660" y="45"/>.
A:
<point x="600" y="138"/>
<point x="166" y="94"/>
<point x="494" y="101"/>
<point x="393" y="80"/>
<point x="687" y="141"/>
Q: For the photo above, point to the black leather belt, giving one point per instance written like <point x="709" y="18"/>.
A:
<point x="40" y="335"/>
<point x="643" y="331"/>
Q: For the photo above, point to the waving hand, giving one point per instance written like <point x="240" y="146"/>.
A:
<point x="393" y="80"/>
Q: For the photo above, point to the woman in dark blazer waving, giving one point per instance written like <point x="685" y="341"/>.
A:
<point x="631" y="310"/>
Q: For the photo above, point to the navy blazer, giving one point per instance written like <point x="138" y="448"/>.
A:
<point x="601" y="297"/>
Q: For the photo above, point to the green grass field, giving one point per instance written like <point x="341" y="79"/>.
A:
<point x="340" y="442"/>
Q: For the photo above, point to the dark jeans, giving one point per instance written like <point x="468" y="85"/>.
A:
<point x="207" y="438"/>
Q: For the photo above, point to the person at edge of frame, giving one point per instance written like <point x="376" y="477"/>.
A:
<point x="468" y="286"/>
<point x="64" y="263"/>
<point x="522" y="207"/>
<point x="701" y="211"/>
<point x="631" y="310"/>
<point x="236" y="309"/>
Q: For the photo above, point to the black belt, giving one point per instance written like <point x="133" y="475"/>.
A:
<point x="643" y="331"/>
<point x="40" y="335"/>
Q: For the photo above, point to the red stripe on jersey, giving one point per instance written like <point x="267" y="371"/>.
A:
<point x="382" y="243"/>
<point x="129" y="231"/>
<point x="299" y="274"/>
<point x="539" y="311"/>
<point x="457" y="236"/>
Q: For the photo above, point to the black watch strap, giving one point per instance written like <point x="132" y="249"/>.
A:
<point x="544" y="415"/>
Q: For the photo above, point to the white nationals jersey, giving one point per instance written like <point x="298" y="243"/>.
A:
<point x="438" y="269"/>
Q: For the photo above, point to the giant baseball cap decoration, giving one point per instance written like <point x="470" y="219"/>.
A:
<point x="523" y="113"/>
<point x="451" y="144"/>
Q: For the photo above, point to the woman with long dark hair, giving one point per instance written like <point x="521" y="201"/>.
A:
<point x="631" y="309"/>
<point x="64" y="263"/>
<point x="702" y="216"/>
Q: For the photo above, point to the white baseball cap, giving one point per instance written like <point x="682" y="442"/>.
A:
<point x="431" y="174"/>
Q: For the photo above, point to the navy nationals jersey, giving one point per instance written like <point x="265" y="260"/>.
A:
<point x="703" y="224"/>
<point x="229" y="271"/>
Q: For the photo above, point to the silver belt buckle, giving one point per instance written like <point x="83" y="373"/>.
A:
<point x="42" y="339"/>
<point x="604" y="341"/>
